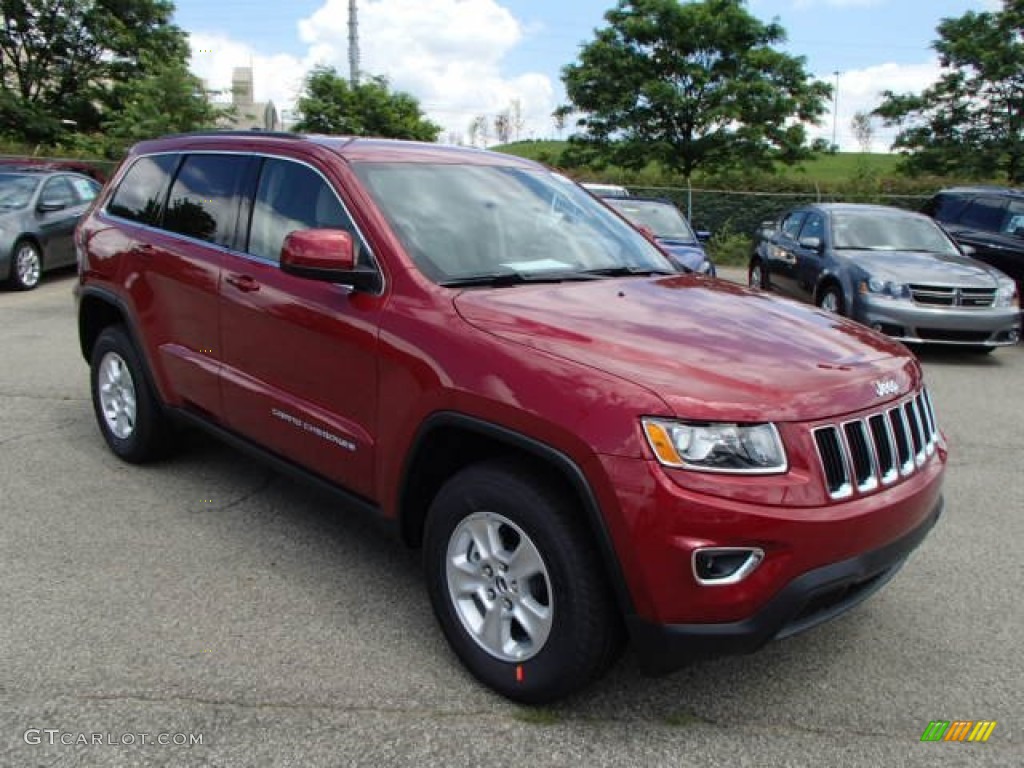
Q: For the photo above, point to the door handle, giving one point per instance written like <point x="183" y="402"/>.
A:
<point x="244" y="283"/>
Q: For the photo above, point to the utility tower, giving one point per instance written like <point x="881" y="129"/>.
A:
<point x="353" y="44"/>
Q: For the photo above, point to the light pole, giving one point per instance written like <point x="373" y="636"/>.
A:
<point x="835" y="111"/>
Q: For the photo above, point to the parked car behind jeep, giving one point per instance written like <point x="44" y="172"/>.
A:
<point x="482" y="355"/>
<point x="989" y="221"/>
<point x="891" y="269"/>
<point x="38" y="214"/>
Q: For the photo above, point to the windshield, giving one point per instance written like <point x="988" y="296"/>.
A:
<point x="16" y="189"/>
<point x="463" y="221"/>
<point x="662" y="218"/>
<point x="889" y="232"/>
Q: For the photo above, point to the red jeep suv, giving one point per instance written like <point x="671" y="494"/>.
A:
<point x="585" y="442"/>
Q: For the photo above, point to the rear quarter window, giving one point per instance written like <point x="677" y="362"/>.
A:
<point x="140" y="195"/>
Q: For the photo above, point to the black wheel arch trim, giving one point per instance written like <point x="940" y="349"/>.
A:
<point x="109" y="297"/>
<point x="565" y="465"/>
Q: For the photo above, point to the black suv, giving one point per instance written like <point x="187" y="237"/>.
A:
<point x="988" y="219"/>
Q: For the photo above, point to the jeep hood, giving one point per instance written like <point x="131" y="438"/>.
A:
<point x="709" y="349"/>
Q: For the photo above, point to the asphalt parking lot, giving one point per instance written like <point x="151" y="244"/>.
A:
<point x="210" y="596"/>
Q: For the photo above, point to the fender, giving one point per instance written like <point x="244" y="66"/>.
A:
<point x="565" y="465"/>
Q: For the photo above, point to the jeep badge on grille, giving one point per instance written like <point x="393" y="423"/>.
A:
<point x="885" y="387"/>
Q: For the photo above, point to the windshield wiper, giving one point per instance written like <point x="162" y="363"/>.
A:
<point x="500" y="279"/>
<point x="629" y="271"/>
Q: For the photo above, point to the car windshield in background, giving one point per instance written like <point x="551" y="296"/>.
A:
<point x="662" y="218"/>
<point x="460" y="222"/>
<point x="16" y="189"/>
<point x="889" y="232"/>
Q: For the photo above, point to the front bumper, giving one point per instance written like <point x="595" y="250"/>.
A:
<point x="808" y="600"/>
<point x="909" y="322"/>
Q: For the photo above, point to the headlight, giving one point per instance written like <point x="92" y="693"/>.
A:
<point x="754" y="449"/>
<point x="1006" y="294"/>
<point x="885" y="288"/>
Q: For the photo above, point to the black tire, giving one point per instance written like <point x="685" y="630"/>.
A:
<point x="757" y="275"/>
<point x="149" y="434"/>
<point x="832" y="292"/>
<point x="25" y="277"/>
<point x="585" y="631"/>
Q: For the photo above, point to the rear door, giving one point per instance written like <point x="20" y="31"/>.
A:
<point x="181" y="215"/>
<point x="300" y="355"/>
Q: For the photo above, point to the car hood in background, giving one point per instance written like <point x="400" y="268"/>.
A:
<point x="908" y="267"/>
<point x="710" y="349"/>
<point x="688" y="254"/>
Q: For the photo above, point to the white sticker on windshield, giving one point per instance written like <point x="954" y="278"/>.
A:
<point x="537" y="265"/>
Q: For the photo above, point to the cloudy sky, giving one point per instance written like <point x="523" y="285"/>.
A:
<point x="462" y="58"/>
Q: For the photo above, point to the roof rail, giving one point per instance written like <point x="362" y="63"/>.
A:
<point x="236" y="132"/>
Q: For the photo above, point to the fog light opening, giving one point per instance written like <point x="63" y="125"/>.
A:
<point x="722" y="566"/>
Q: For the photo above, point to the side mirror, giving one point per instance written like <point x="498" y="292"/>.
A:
<point x="812" y="244"/>
<point x="703" y="235"/>
<point x="328" y="255"/>
<point x="46" y="205"/>
<point x="968" y="250"/>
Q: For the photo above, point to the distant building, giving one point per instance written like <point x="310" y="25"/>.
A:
<point x="249" y="114"/>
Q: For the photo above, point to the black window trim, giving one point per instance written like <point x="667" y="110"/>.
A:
<point x="182" y="153"/>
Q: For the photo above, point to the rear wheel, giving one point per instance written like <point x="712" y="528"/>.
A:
<point x="129" y="416"/>
<point x="26" y="266"/>
<point x="515" y="585"/>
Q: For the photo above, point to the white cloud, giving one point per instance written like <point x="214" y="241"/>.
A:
<point x="860" y="90"/>
<point x="837" y="3"/>
<point x="447" y="53"/>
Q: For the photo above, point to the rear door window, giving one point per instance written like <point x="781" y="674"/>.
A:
<point x="205" y="197"/>
<point x="140" y="195"/>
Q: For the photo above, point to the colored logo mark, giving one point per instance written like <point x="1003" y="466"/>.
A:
<point x="958" y="730"/>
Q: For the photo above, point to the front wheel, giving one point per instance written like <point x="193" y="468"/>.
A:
<point x="757" y="277"/>
<point x="26" y="266"/>
<point x="831" y="300"/>
<point x="514" y="583"/>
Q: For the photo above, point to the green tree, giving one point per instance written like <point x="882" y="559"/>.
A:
<point x="690" y="85"/>
<point x="69" y="65"/>
<point x="970" y="122"/>
<point x="329" y="104"/>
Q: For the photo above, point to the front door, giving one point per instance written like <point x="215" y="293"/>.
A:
<point x="299" y="355"/>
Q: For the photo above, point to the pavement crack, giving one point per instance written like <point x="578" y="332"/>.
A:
<point x="43" y="398"/>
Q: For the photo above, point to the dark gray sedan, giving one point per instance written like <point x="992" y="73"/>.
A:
<point x="38" y="214"/>
<point x="893" y="270"/>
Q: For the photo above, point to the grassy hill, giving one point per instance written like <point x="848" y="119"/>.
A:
<point x="824" y="169"/>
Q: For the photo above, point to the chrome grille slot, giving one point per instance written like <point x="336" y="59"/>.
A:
<point x="885" y="450"/>
<point x="860" y="455"/>
<point x="830" y="449"/>
<point x="914" y="427"/>
<point x="926" y="424"/>
<point x="862" y="460"/>
<point x="901" y="435"/>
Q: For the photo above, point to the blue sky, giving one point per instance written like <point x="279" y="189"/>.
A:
<point x="466" y="57"/>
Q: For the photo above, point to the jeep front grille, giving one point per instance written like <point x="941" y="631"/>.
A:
<point x="866" y="453"/>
